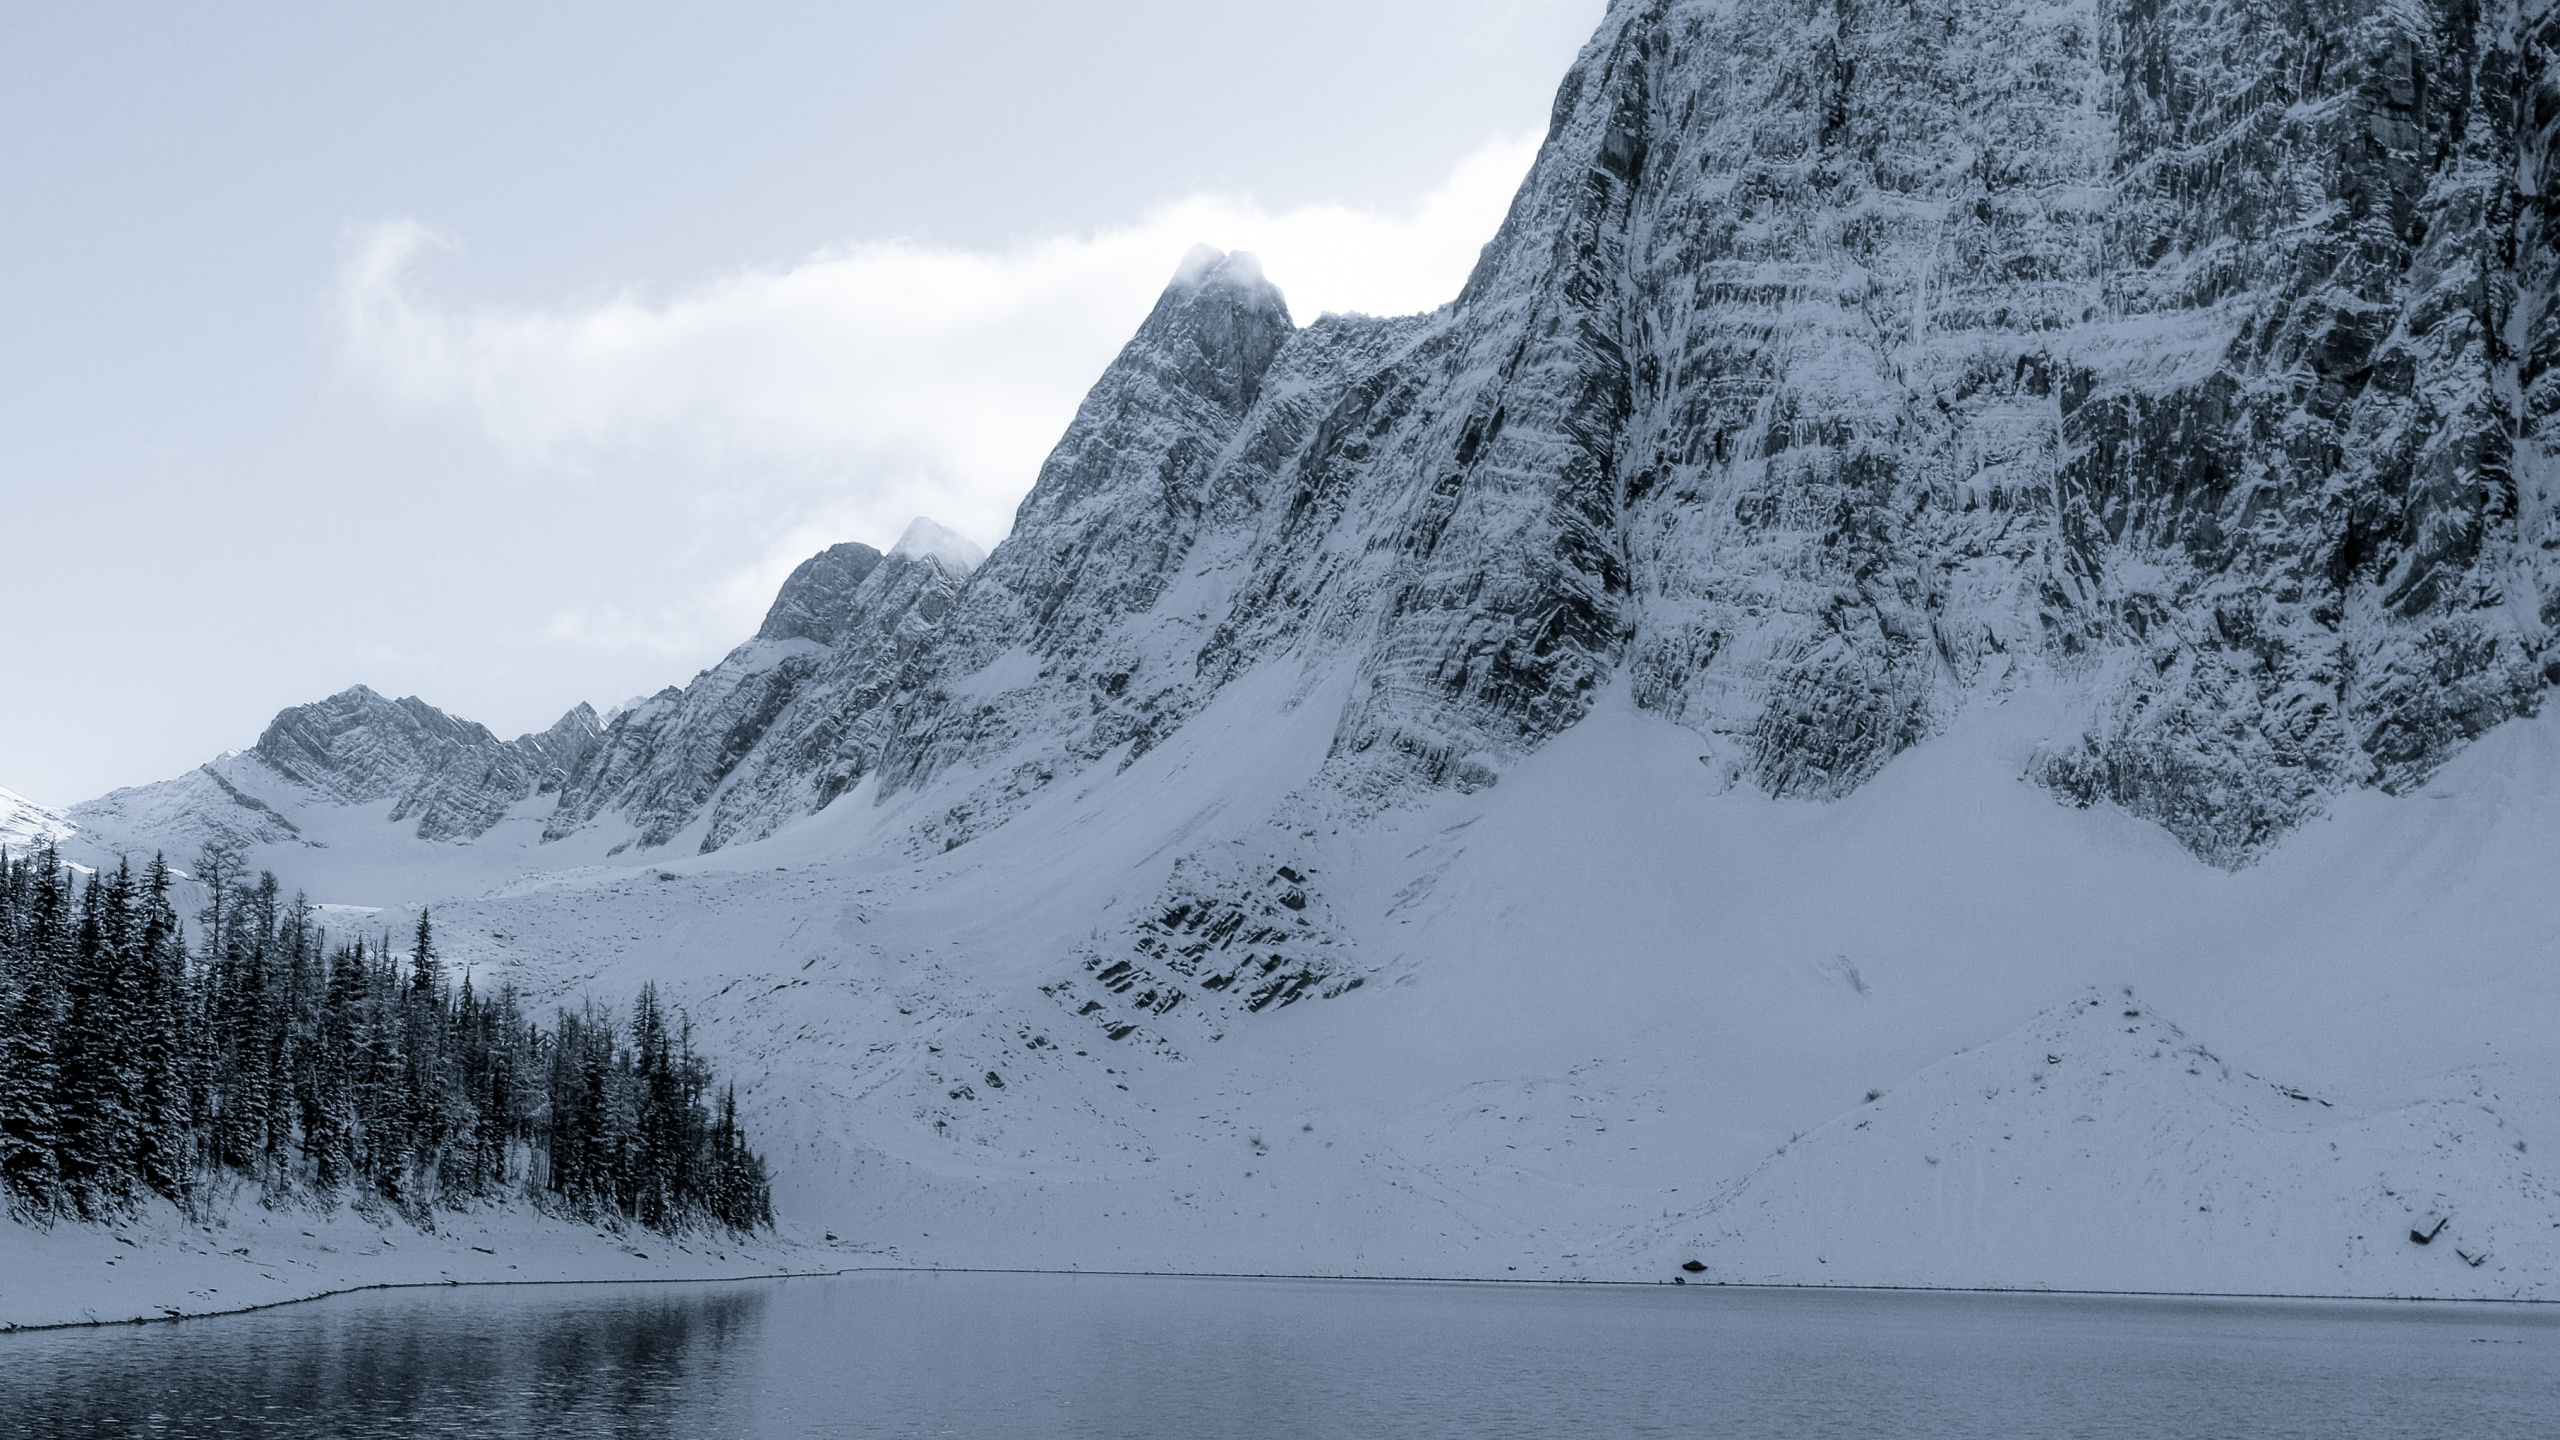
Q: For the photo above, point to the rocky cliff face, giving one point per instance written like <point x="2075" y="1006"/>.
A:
<point x="1839" y="366"/>
<point x="817" y="601"/>
<point x="451" y="776"/>
<point x="2177" y="355"/>
<point x="1842" y="364"/>
<point x="792" y="700"/>
<point x="447" y="779"/>
<point x="836" y="727"/>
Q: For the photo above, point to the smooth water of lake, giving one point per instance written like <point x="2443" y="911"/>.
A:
<point x="898" y="1354"/>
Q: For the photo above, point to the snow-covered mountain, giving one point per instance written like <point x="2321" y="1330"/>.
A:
<point x="24" y="824"/>
<point x="775" y="731"/>
<point x="402" y="783"/>
<point x="1917" y="513"/>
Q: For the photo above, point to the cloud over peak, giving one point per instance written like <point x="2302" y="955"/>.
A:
<point x="888" y="376"/>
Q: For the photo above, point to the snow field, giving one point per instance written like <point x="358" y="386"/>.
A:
<point x="1600" y="995"/>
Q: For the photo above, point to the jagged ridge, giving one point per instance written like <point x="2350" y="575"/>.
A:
<point x="1837" y="367"/>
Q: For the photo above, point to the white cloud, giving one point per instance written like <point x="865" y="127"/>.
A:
<point x="876" y="381"/>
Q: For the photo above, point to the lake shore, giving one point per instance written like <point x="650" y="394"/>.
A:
<point x="163" y="1266"/>
<point x="168" y="1270"/>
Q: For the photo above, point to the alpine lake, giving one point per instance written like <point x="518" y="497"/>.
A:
<point x="976" y="1354"/>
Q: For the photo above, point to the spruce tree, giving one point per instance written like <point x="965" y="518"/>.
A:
<point x="160" y="1041"/>
<point x="33" y="946"/>
<point x="128" y="1067"/>
<point x="98" y="1081"/>
<point x="422" y="1048"/>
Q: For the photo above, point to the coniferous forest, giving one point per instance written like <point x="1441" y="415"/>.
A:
<point x="274" y="1057"/>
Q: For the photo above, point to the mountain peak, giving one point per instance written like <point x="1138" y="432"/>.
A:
<point x="1207" y="265"/>
<point x="816" y="602"/>
<point x="1214" y="331"/>
<point x="927" y="539"/>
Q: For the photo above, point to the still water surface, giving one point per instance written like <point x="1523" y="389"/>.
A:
<point x="1013" y="1355"/>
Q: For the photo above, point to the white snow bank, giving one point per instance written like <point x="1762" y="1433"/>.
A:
<point x="162" y="1266"/>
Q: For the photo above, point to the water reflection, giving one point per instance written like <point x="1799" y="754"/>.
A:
<point x="996" y="1355"/>
<point x="635" y="1360"/>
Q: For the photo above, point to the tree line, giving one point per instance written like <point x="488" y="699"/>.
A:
<point x="270" y="1054"/>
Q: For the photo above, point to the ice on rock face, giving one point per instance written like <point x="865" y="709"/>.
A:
<point x="439" y="778"/>
<point x="836" y="726"/>
<point x="451" y="776"/>
<point x="660" y="770"/>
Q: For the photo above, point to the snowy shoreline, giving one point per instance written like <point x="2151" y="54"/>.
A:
<point x="162" y="1266"/>
<point x="417" y="1285"/>
<point x="836" y="1272"/>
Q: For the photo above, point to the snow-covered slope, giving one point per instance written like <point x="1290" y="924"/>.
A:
<point x="363" y="799"/>
<point x="1918" y="513"/>
<point x="1987" y="1169"/>
<point x="24" y="824"/>
<point x="1596" y="997"/>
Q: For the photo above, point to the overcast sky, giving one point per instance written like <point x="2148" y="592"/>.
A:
<point x="510" y="354"/>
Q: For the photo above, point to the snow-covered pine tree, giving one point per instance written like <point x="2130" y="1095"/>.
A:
<point x="34" y="931"/>
<point x="160" y="1041"/>
<point x="422" y="1047"/>
<point x="328" y="1094"/>
<point x="129" y="1067"/>
<point x="98" y="1081"/>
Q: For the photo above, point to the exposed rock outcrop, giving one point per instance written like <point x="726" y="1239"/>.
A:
<point x="452" y="776"/>
<point x="817" y="600"/>
<point x="446" y="779"/>
<point x="793" y="700"/>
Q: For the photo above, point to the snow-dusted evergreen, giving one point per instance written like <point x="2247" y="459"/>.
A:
<point x="134" y="1067"/>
